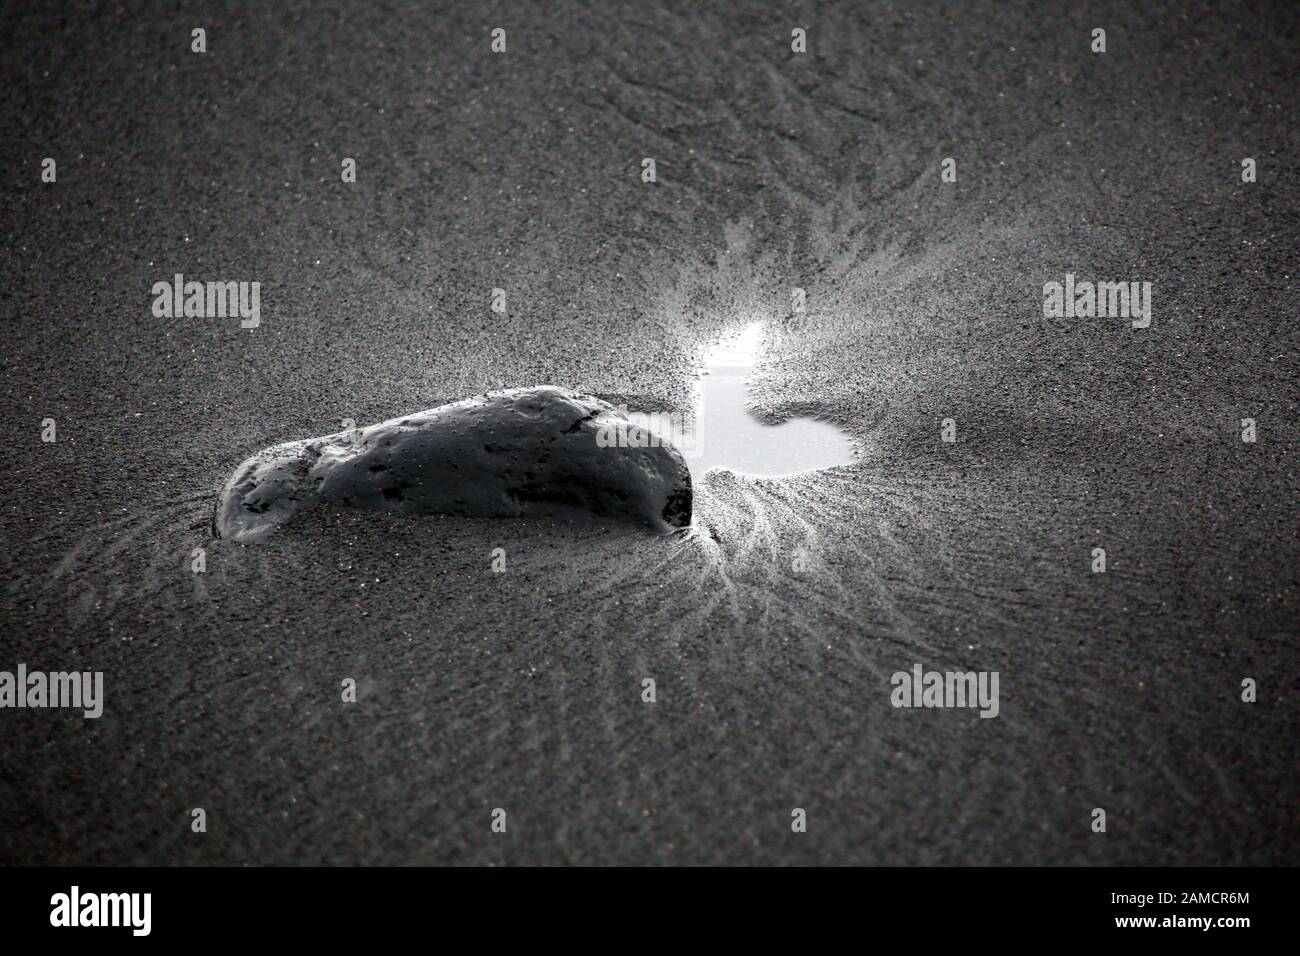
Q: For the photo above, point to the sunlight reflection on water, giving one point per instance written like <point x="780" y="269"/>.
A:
<point x="722" y="433"/>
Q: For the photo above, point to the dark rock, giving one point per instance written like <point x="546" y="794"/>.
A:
<point x="522" y="452"/>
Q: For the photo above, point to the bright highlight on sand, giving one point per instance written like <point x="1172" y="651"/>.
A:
<point x="723" y="433"/>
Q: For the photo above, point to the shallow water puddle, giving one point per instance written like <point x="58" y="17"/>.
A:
<point x="723" y="433"/>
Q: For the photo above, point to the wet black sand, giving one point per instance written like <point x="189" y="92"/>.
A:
<point x="522" y="690"/>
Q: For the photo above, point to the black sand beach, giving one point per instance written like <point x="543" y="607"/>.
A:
<point x="521" y="690"/>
